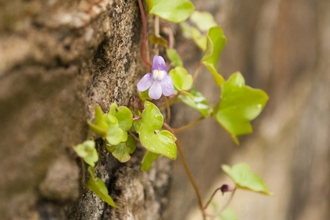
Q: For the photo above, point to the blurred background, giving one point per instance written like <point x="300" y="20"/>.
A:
<point x="282" y="47"/>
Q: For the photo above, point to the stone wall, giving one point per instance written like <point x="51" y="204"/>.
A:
<point x="59" y="59"/>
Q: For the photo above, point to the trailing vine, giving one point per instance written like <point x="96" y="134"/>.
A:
<point x="143" y="121"/>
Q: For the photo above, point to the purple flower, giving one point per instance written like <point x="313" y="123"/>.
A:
<point x="158" y="80"/>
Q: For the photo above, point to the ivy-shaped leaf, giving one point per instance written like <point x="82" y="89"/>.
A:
<point x="239" y="105"/>
<point x="198" y="102"/>
<point x="97" y="186"/>
<point x="147" y="161"/>
<point x="185" y="29"/>
<point x="114" y="125"/>
<point x="160" y="142"/>
<point x="199" y="39"/>
<point x="122" y="151"/>
<point x="182" y="80"/>
<point x="155" y="140"/>
<point x="99" y="126"/>
<point x="193" y="33"/>
<point x="244" y="178"/>
<point x="87" y="152"/>
<point x="137" y="125"/>
<point x="171" y="10"/>
<point x="144" y="95"/>
<point x="152" y="118"/>
<point x="115" y="133"/>
<point x="174" y="57"/>
<point x="123" y="115"/>
<point x="228" y="214"/>
<point x="203" y="20"/>
<point x="216" y="41"/>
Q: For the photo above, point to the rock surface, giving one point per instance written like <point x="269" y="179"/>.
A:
<point x="58" y="60"/>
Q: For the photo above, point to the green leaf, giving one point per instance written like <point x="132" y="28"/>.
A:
<point x="228" y="214"/>
<point x="98" y="118"/>
<point x="123" y="115"/>
<point x="174" y="57"/>
<point x="203" y="20"/>
<point x="98" y="187"/>
<point x="122" y="151"/>
<point x="148" y="159"/>
<point x="181" y="78"/>
<point x="160" y="142"/>
<point x="137" y="125"/>
<point x="171" y="10"/>
<point x="244" y="178"/>
<point x="115" y="133"/>
<point x="96" y="129"/>
<point x="87" y="152"/>
<point x="198" y="102"/>
<point x="186" y="29"/>
<point x="149" y="3"/>
<point x="152" y="118"/>
<point x="216" y="41"/>
<point x="157" y="39"/>
<point x="239" y="105"/>
<point x="114" y="125"/>
<point x="144" y="95"/>
<point x="190" y="32"/>
<point x="99" y="126"/>
<point x="199" y="39"/>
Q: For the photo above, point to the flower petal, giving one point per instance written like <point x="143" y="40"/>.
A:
<point x="167" y="86"/>
<point x="158" y="63"/>
<point x="145" y="82"/>
<point x="155" y="91"/>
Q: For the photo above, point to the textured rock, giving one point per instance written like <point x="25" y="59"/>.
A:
<point x="59" y="59"/>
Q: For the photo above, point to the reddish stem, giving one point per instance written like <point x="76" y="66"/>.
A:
<point x="197" y="70"/>
<point x="224" y="207"/>
<point x="168" y="109"/>
<point x="189" y="173"/>
<point x="185" y="127"/>
<point x="170" y="38"/>
<point x="137" y="118"/>
<point x="144" y="34"/>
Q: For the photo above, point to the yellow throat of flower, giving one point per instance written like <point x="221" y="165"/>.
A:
<point x="158" y="75"/>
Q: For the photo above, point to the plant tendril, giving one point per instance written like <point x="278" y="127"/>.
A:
<point x="185" y="127"/>
<point x="144" y="35"/>
<point x="188" y="172"/>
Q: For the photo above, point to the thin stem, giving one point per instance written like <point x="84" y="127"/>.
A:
<point x="144" y="35"/>
<point x="168" y="110"/>
<point x="147" y="53"/>
<point x="210" y="200"/>
<point x="197" y="70"/>
<point x="185" y="127"/>
<point x="156" y="25"/>
<point x="191" y="178"/>
<point x="187" y="169"/>
<point x="134" y="136"/>
<point x="224" y="207"/>
<point x="156" y="33"/>
<point x="170" y="38"/>
<point x="170" y="100"/>
<point x="137" y="118"/>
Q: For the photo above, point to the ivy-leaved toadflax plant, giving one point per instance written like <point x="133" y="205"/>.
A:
<point x="123" y="127"/>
